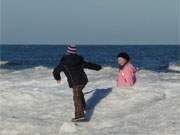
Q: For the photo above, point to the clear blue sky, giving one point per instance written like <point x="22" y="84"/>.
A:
<point x="90" y="21"/>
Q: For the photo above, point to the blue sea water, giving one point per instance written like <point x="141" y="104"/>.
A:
<point x="151" y="57"/>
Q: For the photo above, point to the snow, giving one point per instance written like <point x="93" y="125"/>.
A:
<point x="68" y="127"/>
<point x="32" y="103"/>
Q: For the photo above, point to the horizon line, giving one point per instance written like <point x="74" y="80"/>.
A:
<point x="88" y="44"/>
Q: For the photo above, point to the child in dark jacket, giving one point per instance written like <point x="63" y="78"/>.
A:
<point x="73" y="66"/>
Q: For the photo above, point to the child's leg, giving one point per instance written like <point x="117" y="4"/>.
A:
<point x="78" y="103"/>
<point x="82" y="97"/>
<point x="83" y="100"/>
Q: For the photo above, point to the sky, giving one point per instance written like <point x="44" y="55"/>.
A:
<point x="89" y="21"/>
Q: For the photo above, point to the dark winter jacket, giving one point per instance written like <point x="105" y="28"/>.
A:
<point x="73" y="66"/>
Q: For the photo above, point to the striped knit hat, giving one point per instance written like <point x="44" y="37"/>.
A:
<point x="71" y="49"/>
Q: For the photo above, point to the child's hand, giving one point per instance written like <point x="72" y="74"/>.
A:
<point x="59" y="81"/>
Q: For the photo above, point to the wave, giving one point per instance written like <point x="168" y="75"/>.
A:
<point x="14" y="63"/>
<point x="3" y="62"/>
<point x="174" y="67"/>
<point x="19" y="62"/>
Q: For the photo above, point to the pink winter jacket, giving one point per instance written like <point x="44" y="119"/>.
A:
<point x="126" y="77"/>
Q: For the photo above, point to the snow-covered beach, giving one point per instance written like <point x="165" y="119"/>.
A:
<point x="32" y="103"/>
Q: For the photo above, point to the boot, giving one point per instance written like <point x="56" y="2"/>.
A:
<point x="78" y="119"/>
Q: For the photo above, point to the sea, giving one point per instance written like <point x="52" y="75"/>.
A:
<point x="152" y="57"/>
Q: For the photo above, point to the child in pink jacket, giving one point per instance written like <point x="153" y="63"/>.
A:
<point x="126" y="75"/>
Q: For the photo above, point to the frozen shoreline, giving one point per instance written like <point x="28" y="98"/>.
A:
<point x="32" y="102"/>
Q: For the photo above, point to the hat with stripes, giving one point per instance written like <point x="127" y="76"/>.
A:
<point x="71" y="49"/>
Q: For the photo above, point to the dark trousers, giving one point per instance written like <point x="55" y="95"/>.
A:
<point x="79" y="101"/>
